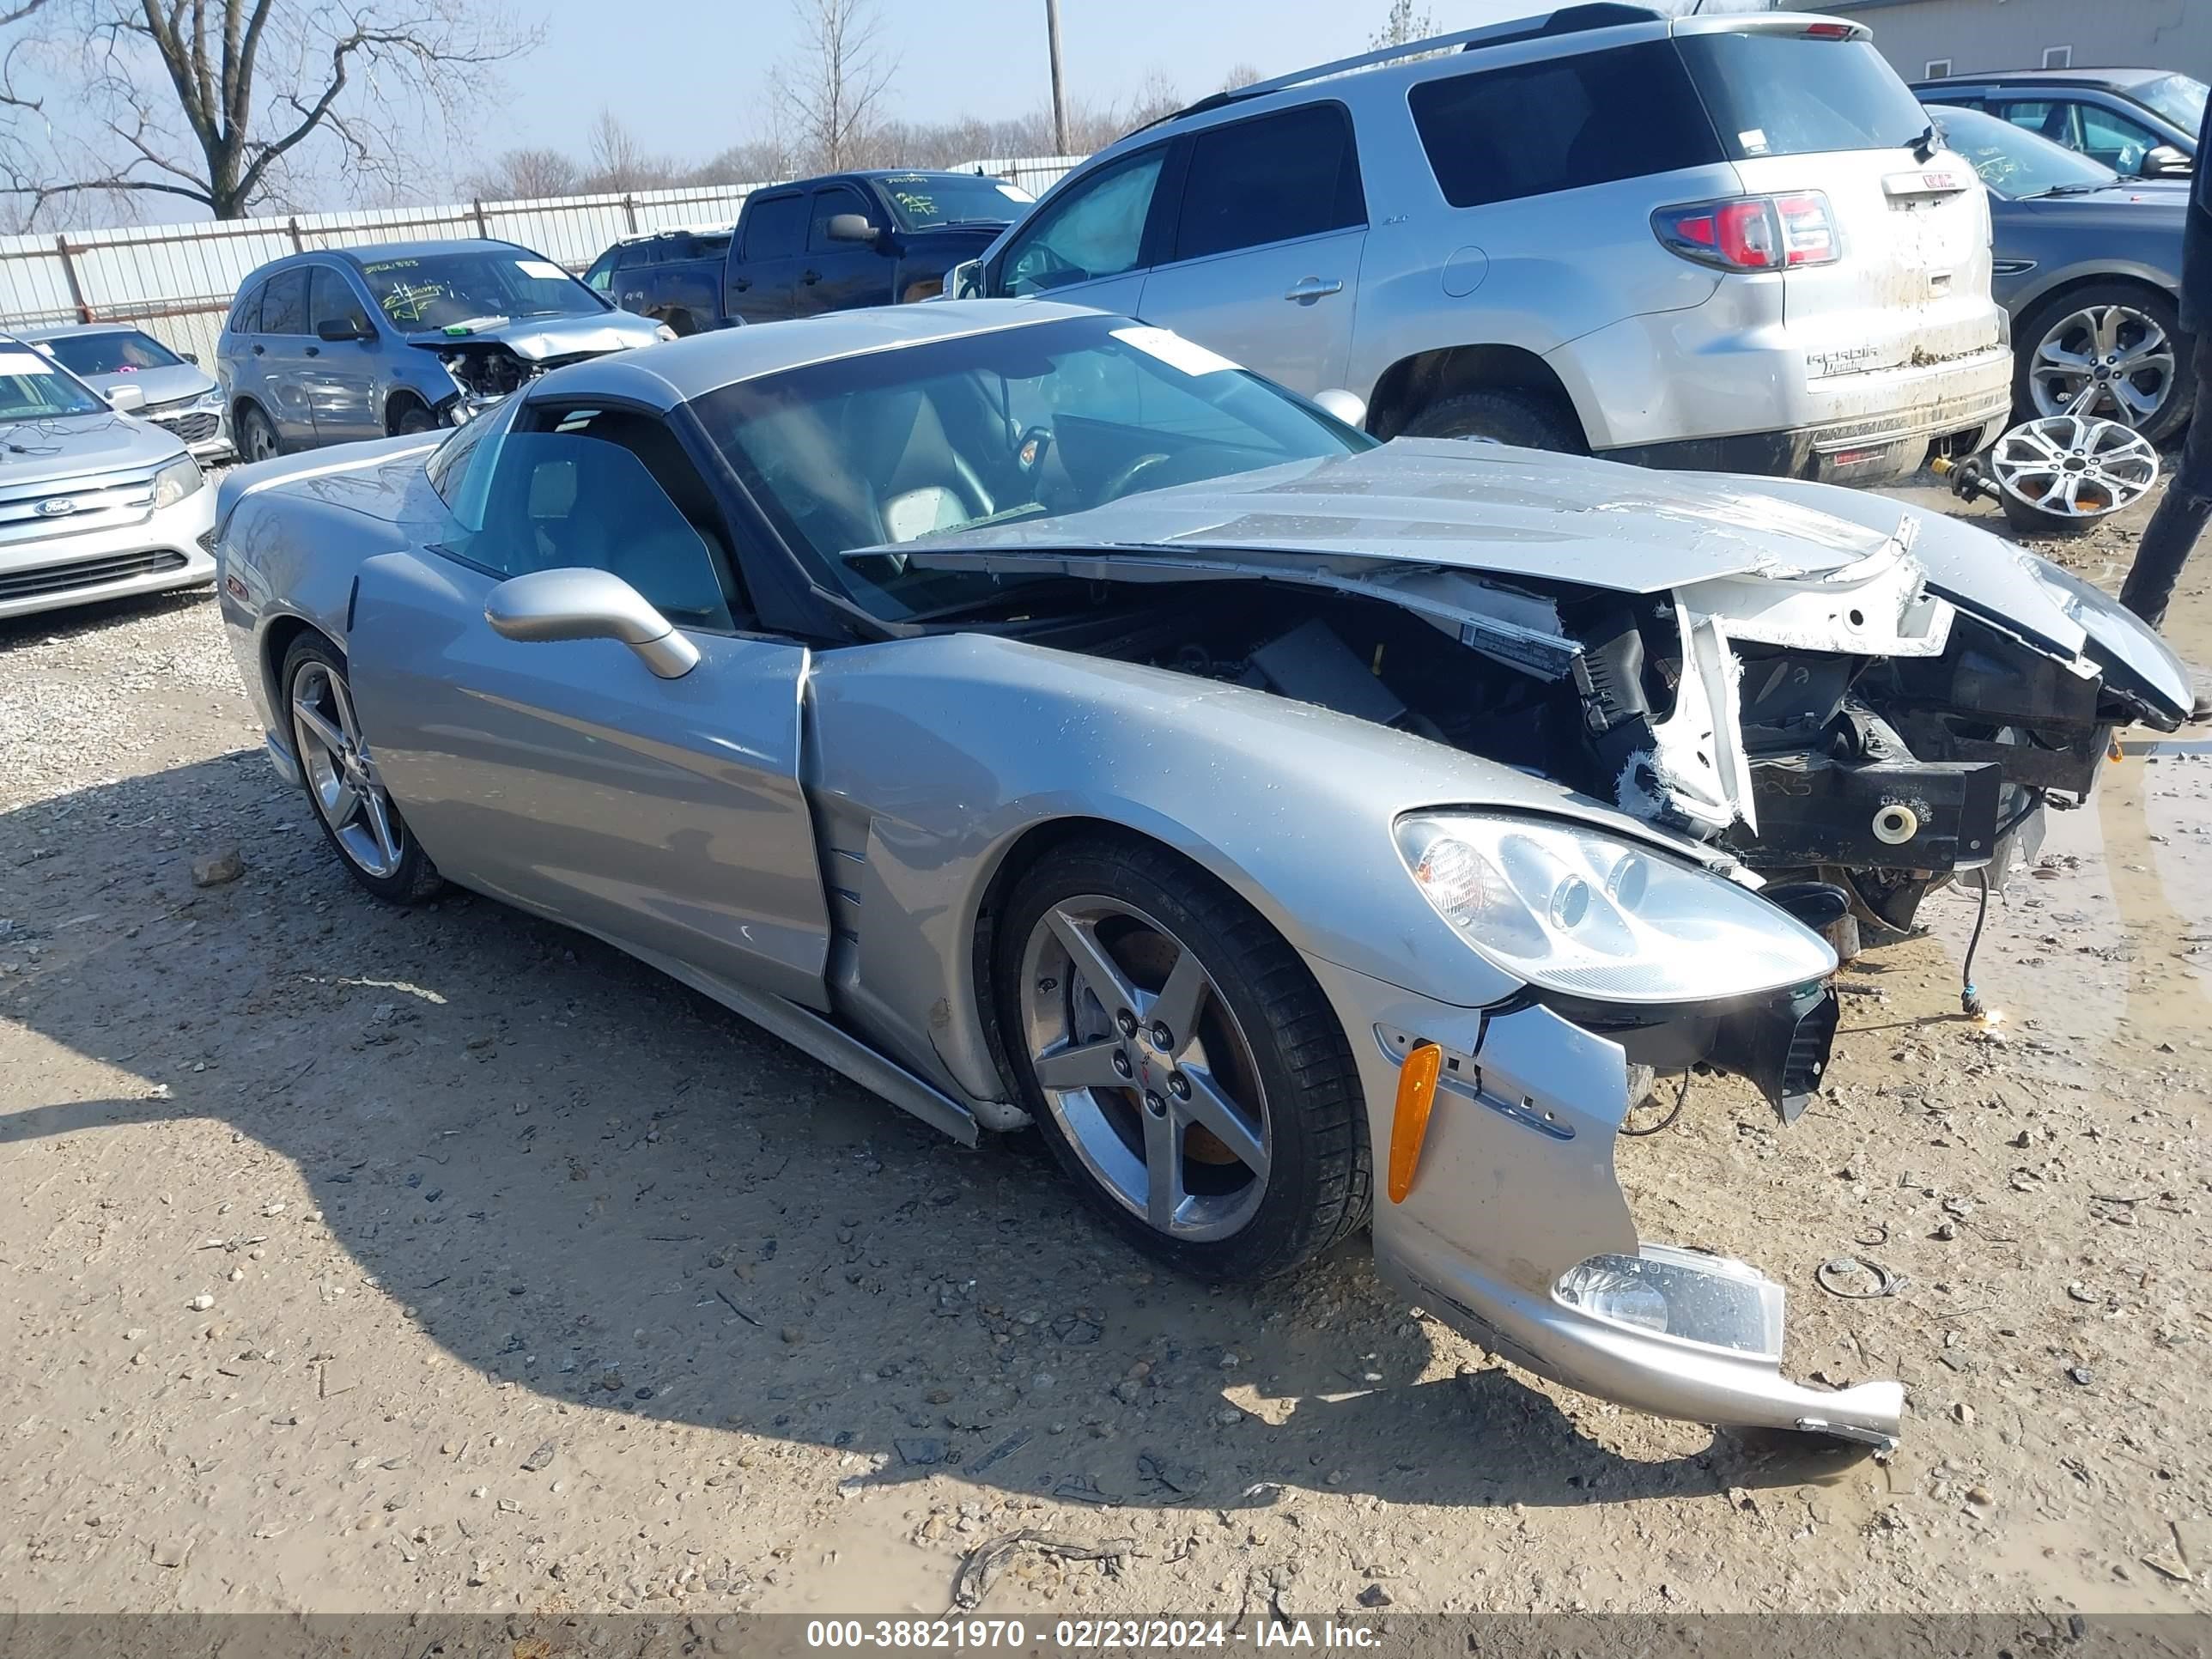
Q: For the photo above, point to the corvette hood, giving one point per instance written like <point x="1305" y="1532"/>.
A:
<point x="1442" y="502"/>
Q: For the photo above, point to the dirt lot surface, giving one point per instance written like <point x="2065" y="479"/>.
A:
<point x="362" y="1259"/>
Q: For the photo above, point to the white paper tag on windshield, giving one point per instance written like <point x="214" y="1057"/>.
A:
<point x="1174" y="351"/>
<point x="24" y="362"/>
<point x="1015" y="193"/>
<point x="1753" y="140"/>
<point x="540" y="268"/>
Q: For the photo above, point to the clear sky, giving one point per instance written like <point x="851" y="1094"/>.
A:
<point x="685" y="75"/>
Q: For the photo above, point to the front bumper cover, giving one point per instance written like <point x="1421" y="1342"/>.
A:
<point x="1515" y="1191"/>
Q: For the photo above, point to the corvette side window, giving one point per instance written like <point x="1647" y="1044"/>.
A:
<point x="459" y="469"/>
<point x="606" y="489"/>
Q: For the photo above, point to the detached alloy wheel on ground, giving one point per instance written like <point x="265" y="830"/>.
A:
<point x="2112" y="351"/>
<point x="1179" y="1061"/>
<point x="257" y="437"/>
<point x="339" y="773"/>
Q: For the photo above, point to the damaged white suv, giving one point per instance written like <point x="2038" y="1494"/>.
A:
<point x="1730" y="243"/>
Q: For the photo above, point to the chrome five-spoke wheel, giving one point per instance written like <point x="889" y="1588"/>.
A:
<point x="338" y="770"/>
<point x="341" y="774"/>
<point x="1179" y="1061"/>
<point x="1143" y="1066"/>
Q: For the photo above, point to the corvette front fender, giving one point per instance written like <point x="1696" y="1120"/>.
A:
<point x="929" y="760"/>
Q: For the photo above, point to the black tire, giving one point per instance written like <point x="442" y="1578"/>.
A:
<point x="1319" y="1186"/>
<point x="2029" y="333"/>
<point x="2032" y="520"/>
<point x="1526" y="419"/>
<point x="409" y="418"/>
<point x="257" y="436"/>
<point x="414" y="879"/>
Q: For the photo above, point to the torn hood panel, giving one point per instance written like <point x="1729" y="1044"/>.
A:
<point x="2020" y="591"/>
<point x="1445" y="502"/>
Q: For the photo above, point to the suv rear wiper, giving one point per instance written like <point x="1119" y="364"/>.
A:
<point x="1924" y="146"/>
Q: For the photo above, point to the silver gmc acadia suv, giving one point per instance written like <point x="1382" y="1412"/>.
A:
<point x="1730" y="242"/>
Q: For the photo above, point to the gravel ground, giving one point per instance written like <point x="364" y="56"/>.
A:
<point x="362" y="1259"/>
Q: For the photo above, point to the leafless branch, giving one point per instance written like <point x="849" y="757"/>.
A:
<point x="227" y="97"/>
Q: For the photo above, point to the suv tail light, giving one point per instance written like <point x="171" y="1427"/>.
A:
<point x="1752" y="233"/>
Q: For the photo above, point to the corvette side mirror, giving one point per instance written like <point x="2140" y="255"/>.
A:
<point x="1346" y="406"/>
<point x="581" y="604"/>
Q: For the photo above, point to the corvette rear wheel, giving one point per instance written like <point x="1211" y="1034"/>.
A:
<point x="1179" y="1061"/>
<point x="339" y="773"/>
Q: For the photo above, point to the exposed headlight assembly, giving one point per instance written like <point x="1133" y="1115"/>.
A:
<point x="1576" y="911"/>
<point x="176" y="481"/>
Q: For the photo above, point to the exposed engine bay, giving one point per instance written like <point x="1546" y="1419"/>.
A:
<point x="1884" y="771"/>
<point x="487" y="370"/>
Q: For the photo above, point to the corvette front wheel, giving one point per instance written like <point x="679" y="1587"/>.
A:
<point x="1181" y="1064"/>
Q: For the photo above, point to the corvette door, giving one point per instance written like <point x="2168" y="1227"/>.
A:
<point x="665" y="815"/>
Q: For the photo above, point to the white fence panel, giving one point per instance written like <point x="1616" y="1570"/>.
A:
<point x="177" y="281"/>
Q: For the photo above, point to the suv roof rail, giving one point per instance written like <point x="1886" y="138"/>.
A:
<point x="1567" y="20"/>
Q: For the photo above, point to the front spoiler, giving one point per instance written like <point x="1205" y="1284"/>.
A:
<point x="1653" y="1373"/>
<point x="1515" y="1186"/>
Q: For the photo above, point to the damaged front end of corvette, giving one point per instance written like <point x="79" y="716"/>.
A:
<point x="1846" y="704"/>
<point x="1831" y="686"/>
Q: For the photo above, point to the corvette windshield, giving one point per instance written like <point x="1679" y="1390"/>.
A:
<point x="857" y="457"/>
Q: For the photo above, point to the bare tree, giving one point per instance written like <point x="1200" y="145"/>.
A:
<point x="1241" y="74"/>
<point x="222" y="103"/>
<point x="830" y="92"/>
<point x="522" y="175"/>
<point x="1402" y="23"/>
<point x="620" y="162"/>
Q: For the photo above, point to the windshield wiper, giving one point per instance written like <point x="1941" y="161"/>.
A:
<point x="2062" y="190"/>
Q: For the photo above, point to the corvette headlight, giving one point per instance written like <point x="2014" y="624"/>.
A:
<point x="1574" y="910"/>
<point x="176" y="481"/>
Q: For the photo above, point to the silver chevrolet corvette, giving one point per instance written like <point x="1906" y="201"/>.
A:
<point x="1044" y="721"/>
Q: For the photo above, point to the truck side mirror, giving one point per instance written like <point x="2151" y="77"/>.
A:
<point x="850" y="228"/>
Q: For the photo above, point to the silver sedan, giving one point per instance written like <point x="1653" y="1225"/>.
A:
<point x="1044" y="721"/>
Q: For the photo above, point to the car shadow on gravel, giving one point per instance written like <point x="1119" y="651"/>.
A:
<point x="573" y="1174"/>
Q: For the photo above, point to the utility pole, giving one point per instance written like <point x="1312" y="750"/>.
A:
<point x="1059" y="92"/>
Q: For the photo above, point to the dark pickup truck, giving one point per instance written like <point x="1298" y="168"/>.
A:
<point x="829" y="244"/>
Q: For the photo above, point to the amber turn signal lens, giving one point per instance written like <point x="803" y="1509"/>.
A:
<point x="1409" y="1123"/>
